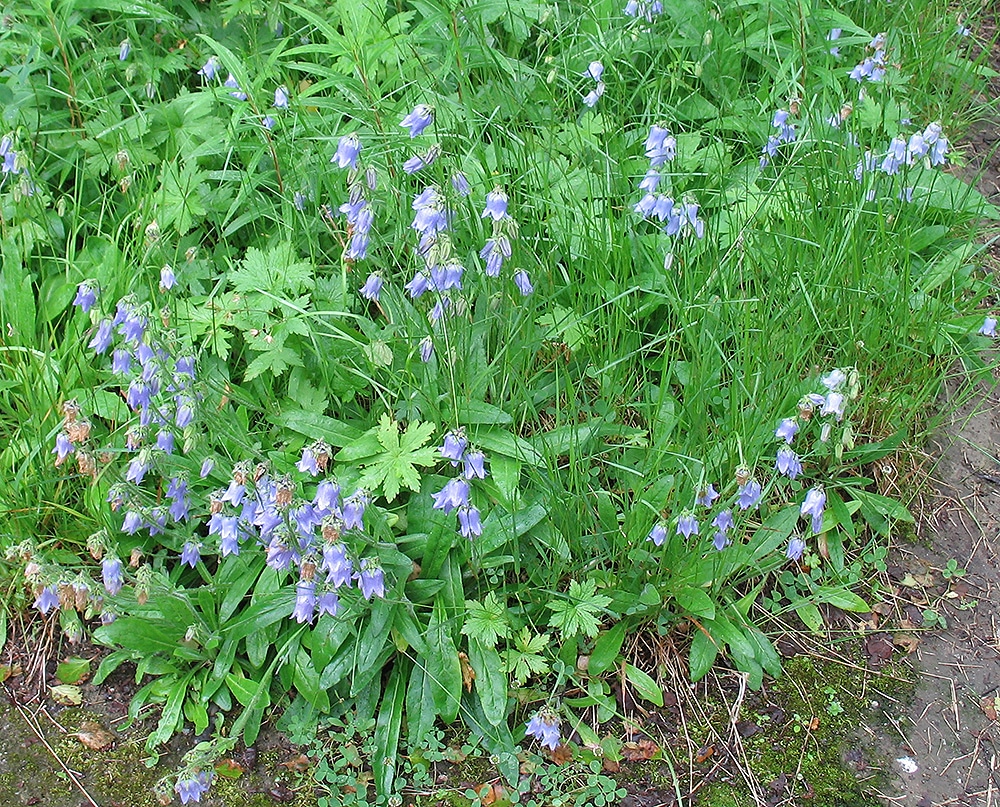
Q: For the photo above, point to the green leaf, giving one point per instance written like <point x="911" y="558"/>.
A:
<point x="274" y="361"/>
<point x="73" y="670"/>
<point x="387" y="729"/>
<point x="395" y="465"/>
<point x="702" y="655"/>
<point x="265" y="611"/>
<point x="810" y="616"/>
<point x="306" y="681"/>
<point x="606" y="649"/>
<point x="276" y="271"/>
<point x="140" y="635"/>
<point x="526" y="658"/>
<point x="172" y="719"/>
<point x="579" y="611"/>
<point x="420" y="711"/>
<point x="109" y="664"/>
<point x="883" y="505"/>
<point x="644" y="685"/>
<point x="314" y="425"/>
<point x="491" y="683"/>
<point x="195" y="711"/>
<point x="841" y="598"/>
<point x="696" y="602"/>
<point x="486" y="622"/>
<point x="442" y="665"/>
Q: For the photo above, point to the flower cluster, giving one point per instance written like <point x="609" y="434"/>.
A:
<point x="872" y="68"/>
<point x="13" y="163"/>
<point x="356" y="210"/>
<point x="833" y="36"/>
<point x="498" y="247"/>
<point x="455" y="494"/>
<point x="644" y="9"/>
<point x="415" y="122"/>
<point x="544" y="727"/>
<point x="785" y="134"/>
<point x="594" y="71"/>
<point x="210" y="72"/>
<point x="930" y="146"/>
<point x="677" y="218"/>
<point x="57" y="589"/>
<point x="295" y="532"/>
<point x="841" y="386"/>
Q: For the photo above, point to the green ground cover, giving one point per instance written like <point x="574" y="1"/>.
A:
<point x="393" y="358"/>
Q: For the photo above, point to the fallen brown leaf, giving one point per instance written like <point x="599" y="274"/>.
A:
<point x="610" y="765"/>
<point x="878" y="648"/>
<point x="640" y="751"/>
<point x="918" y="580"/>
<point x="299" y="763"/>
<point x="704" y="753"/>
<point x="561" y="754"/>
<point x="489" y="794"/>
<point x="990" y="704"/>
<point x="94" y="736"/>
<point x="468" y="674"/>
<point x="907" y="641"/>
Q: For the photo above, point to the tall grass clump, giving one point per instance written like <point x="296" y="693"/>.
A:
<point x="402" y="355"/>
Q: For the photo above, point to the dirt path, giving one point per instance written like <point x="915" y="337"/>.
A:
<point x="947" y="751"/>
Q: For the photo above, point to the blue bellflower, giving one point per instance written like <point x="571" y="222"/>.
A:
<point x="706" y="496"/>
<point x="749" y="494"/>
<point x="371" y="579"/>
<point x="796" y="549"/>
<point x="111" y="573"/>
<point x="48" y="598"/>
<point x="194" y="786"/>
<point x="86" y="296"/>
<point x="469" y="522"/>
<point x="813" y="506"/>
<point x="544" y="727"/>
<point x="232" y="84"/>
<point x="788" y="463"/>
<point x="426" y="349"/>
<point x="209" y="70"/>
<point x="348" y="149"/>
<point x="453" y="447"/>
<point x="523" y="283"/>
<point x="658" y="534"/>
<point x="687" y="525"/>
<point x="327" y="603"/>
<point x="592" y="97"/>
<point x="418" y="119"/>
<point x="373" y="287"/>
<point x="454" y="494"/>
<point x="787" y="430"/>
<point x="305" y="601"/>
<point x="496" y="205"/>
<point x="190" y="554"/>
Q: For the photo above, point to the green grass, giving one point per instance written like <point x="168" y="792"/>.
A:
<point x="644" y="367"/>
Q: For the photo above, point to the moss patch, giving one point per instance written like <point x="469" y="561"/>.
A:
<point x="801" y="736"/>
